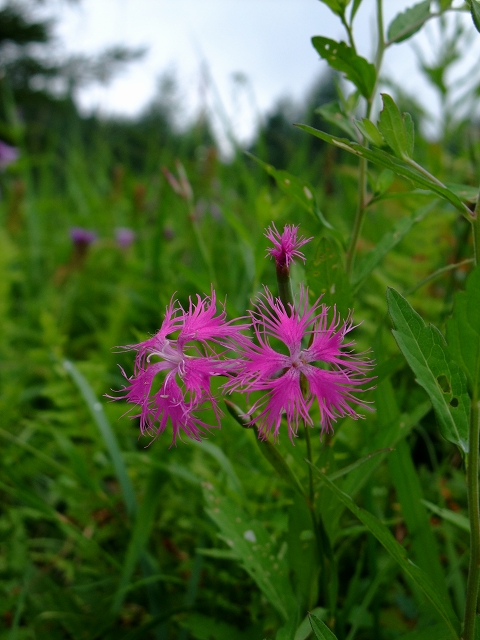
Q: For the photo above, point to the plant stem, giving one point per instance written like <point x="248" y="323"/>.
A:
<point x="475" y="220"/>
<point x="362" y="169"/>
<point x="474" y="515"/>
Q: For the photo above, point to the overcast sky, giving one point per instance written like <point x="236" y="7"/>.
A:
<point x="266" y="41"/>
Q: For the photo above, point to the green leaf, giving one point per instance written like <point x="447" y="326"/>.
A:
<point x="304" y="630"/>
<point x="397" y="128"/>
<point x="144" y="520"/>
<point x="427" y="354"/>
<point x="383" y="182"/>
<point x="337" y="6"/>
<point x="436" y="632"/>
<point x="462" y="522"/>
<point x="278" y="462"/>
<point x="320" y="629"/>
<point x="475" y="11"/>
<point x="463" y="329"/>
<point x="326" y="276"/>
<point x="302" y="557"/>
<point x="405" y="24"/>
<point x="355" y="7"/>
<point x="386" y="539"/>
<point x="107" y="433"/>
<point x="424" y="545"/>
<point x="389" y="162"/>
<point x="464" y="191"/>
<point x="370" y="132"/>
<point x="332" y="112"/>
<point x="206" y="628"/>
<point x="343" y="58"/>
<point x="254" y="547"/>
<point x="300" y="190"/>
<point x="387" y="243"/>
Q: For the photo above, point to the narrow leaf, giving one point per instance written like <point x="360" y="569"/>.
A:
<point x="397" y="128"/>
<point x="405" y="24"/>
<point x="320" y="629"/>
<point x="386" y="539"/>
<point x="427" y="354"/>
<point x="391" y="162"/>
<point x="343" y="58"/>
<point x="107" y="434"/>
<point x="462" y="522"/>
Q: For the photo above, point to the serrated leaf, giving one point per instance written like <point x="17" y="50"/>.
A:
<point x="427" y="354"/>
<point x="387" y="243"/>
<point x="405" y="24"/>
<point x="343" y="58"/>
<point x="386" y="539"/>
<point x="332" y="112"/>
<point x="397" y="128"/>
<point x="254" y="547"/>
<point x="370" y="132"/>
<point x="463" y="329"/>
<point x="320" y="629"/>
<point x="388" y="161"/>
<point x="475" y="11"/>
<point x="326" y="276"/>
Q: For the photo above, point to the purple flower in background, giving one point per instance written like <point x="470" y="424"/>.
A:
<point x="174" y="368"/>
<point x="80" y="236"/>
<point x="285" y="246"/>
<point x="8" y="154"/>
<point x="124" y="237"/>
<point x="313" y="365"/>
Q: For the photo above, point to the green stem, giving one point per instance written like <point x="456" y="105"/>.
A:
<point x="362" y="169"/>
<point x="474" y="515"/>
<point x="285" y="292"/>
<point x="475" y="220"/>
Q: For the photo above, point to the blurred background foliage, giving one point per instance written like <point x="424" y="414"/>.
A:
<point x="101" y="537"/>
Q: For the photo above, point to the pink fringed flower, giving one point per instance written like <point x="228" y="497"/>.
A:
<point x="316" y="365"/>
<point x="285" y="246"/>
<point x="174" y="368"/>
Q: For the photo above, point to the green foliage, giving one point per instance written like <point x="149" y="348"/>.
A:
<point x="427" y="354"/>
<point x="407" y="23"/>
<point x="234" y="537"/>
<point x="343" y="58"/>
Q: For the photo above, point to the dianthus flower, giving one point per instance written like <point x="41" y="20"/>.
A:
<point x="174" y="368"/>
<point x="285" y="246"/>
<point x="316" y="366"/>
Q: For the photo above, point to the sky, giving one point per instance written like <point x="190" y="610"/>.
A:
<point x="235" y="57"/>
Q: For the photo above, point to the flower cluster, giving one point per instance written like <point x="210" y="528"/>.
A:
<point x="186" y="353"/>
<point x="294" y="357"/>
